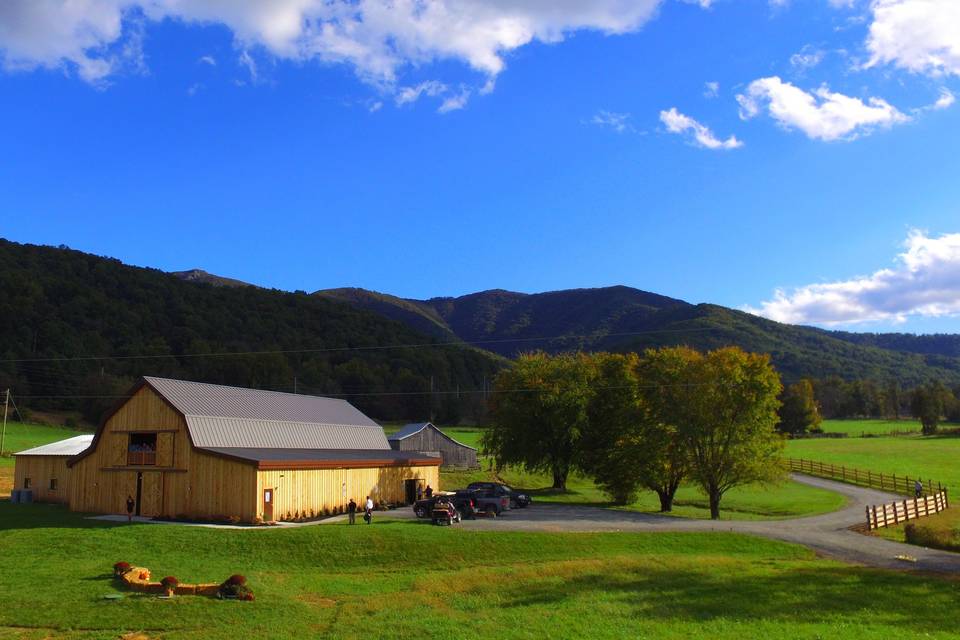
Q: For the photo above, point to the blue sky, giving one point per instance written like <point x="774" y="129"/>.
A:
<point x="713" y="151"/>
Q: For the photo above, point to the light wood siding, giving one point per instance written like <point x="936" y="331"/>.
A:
<point x="300" y="491"/>
<point x="183" y="482"/>
<point x="434" y="442"/>
<point x="40" y="470"/>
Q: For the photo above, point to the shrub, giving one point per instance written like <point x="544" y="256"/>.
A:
<point x="235" y="587"/>
<point x="932" y="536"/>
<point x="236" y="579"/>
<point x="233" y="519"/>
<point x="169" y="582"/>
<point x="121" y="568"/>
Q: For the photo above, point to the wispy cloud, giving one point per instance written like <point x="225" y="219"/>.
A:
<point x="409" y="95"/>
<point x="924" y="282"/>
<point x="711" y="89"/>
<point x="619" y="122"/>
<point x="699" y="134"/>
<point x="210" y="60"/>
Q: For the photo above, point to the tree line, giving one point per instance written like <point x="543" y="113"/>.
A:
<point x="641" y="421"/>
<point x="807" y="402"/>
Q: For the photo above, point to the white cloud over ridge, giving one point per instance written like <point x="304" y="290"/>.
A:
<point x="924" y="282"/>
<point x="922" y="36"/>
<point x="821" y="114"/>
<point x="376" y="37"/>
<point x="699" y="134"/>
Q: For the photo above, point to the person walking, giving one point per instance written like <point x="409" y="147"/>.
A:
<point x="918" y="488"/>
<point x="419" y="492"/>
<point x="429" y="491"/>
<point x="368" y="516"/>
<point x="352" y="511"/>
<point x="130" y="505"/>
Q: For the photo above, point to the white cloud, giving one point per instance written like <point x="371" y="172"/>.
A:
<point x="702" y="136"/>
<point x="408" y="95"/>
<point x="920" y="35"/>
<point x="210" y="60"/>
<point x="711" y="89"/>
<point x="375" y="106"/>
<point x="377" y="38"/>
<point x="946" y="99"/>
<point x="924" y="282"/>
<point x="455" y="102"/>
<point x="807" y="58"/>
<point x="619" y="122"/>
<point x="250" y="64"/>
<point x="822" y="115"/>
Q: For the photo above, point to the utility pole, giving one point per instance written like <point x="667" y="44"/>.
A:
<point x="3" y="432"/>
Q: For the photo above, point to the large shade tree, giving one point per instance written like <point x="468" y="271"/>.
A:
<point x="799" y="412"/>
<point x="727" y="417"/>
<point x="540" y="413"/>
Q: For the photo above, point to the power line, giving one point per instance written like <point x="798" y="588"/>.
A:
<point x="415" y="345"/>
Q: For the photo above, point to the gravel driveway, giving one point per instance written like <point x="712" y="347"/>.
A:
<point x="828" y="534"/>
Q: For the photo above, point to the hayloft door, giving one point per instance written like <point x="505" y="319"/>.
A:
<point x="268" y="505"/>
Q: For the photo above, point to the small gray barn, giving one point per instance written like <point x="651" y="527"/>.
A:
<point x="426" y="438"/>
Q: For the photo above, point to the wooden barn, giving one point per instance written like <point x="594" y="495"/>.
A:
<point x="43" y="470"/>
<point x="203" y="451"/>
<point x="426" y="438"/>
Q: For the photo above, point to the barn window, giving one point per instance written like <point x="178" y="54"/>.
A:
<point x="53" y="484"/>
<point x="142" y="449"/>
<point x="26" y="483"/>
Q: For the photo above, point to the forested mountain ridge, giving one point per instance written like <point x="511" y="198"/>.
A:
<point x="61" y="310"/>
<point x="621" y="318"/>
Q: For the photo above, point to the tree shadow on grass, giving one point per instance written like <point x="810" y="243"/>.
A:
<point x="796" y="595"/>
<point x="45" y="516"/>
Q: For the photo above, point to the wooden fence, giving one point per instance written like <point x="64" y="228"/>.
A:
<point x="884" y="481"/>
<point x="892" y="513"/>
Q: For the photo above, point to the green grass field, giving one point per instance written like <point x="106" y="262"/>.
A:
<point x="857" y="428"/>
<point x="412" y="580"/>
<point x="22" y="436"/>
<point x="933" y="457"/>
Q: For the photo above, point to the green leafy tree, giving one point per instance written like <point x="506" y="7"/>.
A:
<point x="728" y="422"/>
<point x="614" y="447"/>
<point x="799" y="412"/>
<point x="928" y="406"/>
<point x="540" y="413"/>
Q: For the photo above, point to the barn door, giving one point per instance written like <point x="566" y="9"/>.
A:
<point x="268" y="505"/>
<point x="150" y="500"/>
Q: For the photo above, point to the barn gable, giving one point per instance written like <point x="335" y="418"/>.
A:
<point x="425" y="437"/>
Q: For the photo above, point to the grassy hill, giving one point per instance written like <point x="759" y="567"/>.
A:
<point x="622" y="318"/>
<point x="411" y="580"/>
<point x="76" y="328"/>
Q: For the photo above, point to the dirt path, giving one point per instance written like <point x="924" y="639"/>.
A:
<point x="828" y="534"/>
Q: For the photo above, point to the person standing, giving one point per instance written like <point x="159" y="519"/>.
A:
<point x="368" y="516"/>
<point x="419" y="492"/>
<point x="352" y="511"/>
<point x="130" y="505"/>
<point x="918" y="488"/>
<point x="429" y="492"/>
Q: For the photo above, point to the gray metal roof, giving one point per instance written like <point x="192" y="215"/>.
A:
<point x="416" y="427"/>
<point x="409" y="430"/>
<point x="219" y="416"/>
<point x="323" y="455"/>
<point x="68" y="447"/>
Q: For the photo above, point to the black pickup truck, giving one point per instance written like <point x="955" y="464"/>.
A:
<point x="518" y="499"/>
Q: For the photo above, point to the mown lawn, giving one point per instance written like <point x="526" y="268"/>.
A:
<point x="413" y="580"/>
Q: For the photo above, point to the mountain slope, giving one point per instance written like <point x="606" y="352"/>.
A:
<point x="58" y="305"/>
<point x="199" y="275"/>
<point x="622" y="318"/>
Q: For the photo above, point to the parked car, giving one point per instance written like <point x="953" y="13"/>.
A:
<point x="464" y="501"/>
<point x="518" y="499"/>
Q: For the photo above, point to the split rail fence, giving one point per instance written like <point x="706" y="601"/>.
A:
<point x="882" y="481"/>
<point x="885" y="515"/>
